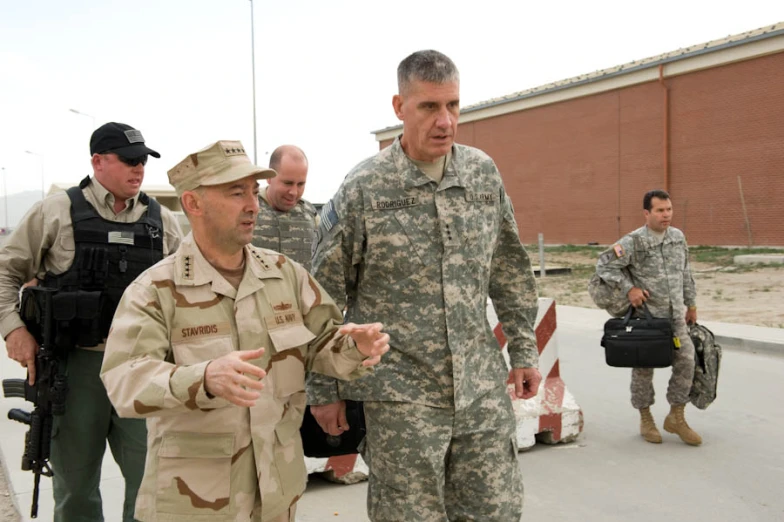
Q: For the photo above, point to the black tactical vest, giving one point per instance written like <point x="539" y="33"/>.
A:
<point x="108" y="257"/>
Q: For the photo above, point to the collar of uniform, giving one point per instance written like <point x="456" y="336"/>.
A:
<point x="650" y="235"/>
<point x="264" y="265"/>
<point x="192" y="269"/>
<point x="266" y="202"/>
<point x="107" y="198"/>
<point x="263" y="195"/>
<point x="301" y="203"/>
<point x="452" y="177"/>
<point x="413" y="177"/>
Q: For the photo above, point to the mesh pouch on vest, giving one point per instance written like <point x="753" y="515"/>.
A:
<point x="707" y="359"/>
<point x="609" y="296"/>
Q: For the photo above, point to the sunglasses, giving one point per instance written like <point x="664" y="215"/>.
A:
<point x="132" y="162"/>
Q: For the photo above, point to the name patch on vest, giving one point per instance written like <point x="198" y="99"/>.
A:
<point x="389" y="204"/>
<point x="487" y="197"/>
<point x="283" y="318"/>
<point x="121" y="237"/>
<point x="189" y="333"/>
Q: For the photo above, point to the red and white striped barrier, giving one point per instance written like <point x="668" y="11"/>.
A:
<point x="345" y="469"/>
<point x="553" y="415"/>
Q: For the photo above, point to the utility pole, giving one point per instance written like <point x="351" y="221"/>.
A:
<point x="253" y="69"/>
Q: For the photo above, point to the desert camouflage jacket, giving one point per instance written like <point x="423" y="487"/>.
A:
<point x="208" y="459"/>
<point x="661" y="268"/>
<point x="290" y="233"/>
<point x="422" y="258"/>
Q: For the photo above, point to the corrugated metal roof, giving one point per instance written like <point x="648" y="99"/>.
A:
<point x="654" y="61"/>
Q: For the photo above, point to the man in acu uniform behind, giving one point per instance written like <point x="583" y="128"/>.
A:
<point x="286" y="222"/>
<point x="651" y="265"/>
<point x="421" y="234"/>
<point x="108" y="226"/>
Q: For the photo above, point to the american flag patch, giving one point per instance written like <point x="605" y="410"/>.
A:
<point x="329" y="218"/>
<point x="124" y="238"/>
<point x="618" y="249"/>
<point x="134" y="136"/>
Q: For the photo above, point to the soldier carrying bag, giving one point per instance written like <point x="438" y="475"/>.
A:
<point x="638" y="342"/>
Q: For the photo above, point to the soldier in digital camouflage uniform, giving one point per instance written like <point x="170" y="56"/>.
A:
<point x="286" y="222"/>
<point x="211" y="345"/>
<point x="420" y="234"/>
<point x="49" y="248"/>
<point x="661" y="278"/>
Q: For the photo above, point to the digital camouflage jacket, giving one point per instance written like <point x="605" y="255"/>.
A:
<point x="661" y="268"/>
<point x="422" y="258"/>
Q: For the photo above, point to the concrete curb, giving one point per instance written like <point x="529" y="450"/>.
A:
<point x="740" y="337"/>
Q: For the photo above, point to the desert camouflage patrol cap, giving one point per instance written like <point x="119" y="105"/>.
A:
<point x="221" y="162"/>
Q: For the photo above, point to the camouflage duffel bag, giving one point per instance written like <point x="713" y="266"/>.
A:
<point x="707" y="359"/>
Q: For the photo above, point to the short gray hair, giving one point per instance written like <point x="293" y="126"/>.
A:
<point x="426" y="66"/>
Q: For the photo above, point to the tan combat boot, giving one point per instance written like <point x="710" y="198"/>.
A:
<point x="676" y="423"/>
<point x="648" y="428"/>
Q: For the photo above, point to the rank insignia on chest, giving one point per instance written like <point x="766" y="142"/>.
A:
<point x="618" y="249"/>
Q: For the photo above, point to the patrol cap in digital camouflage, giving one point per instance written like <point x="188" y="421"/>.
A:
<point x="221" y="162"/>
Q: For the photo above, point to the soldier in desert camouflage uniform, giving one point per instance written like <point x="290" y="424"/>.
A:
<point x="661" y="278"/>
<point x="211" y="345"/>
<point x="421" y="234"/>
<point x="286" y="222"/>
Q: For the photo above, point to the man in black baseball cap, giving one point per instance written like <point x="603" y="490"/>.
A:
<point x="91" y="242"/>
<point x="122" y="139"/>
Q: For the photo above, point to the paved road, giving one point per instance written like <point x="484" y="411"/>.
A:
<point x="610" y="474"/>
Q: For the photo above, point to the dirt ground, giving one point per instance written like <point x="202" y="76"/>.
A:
<point x="752" y="295"/>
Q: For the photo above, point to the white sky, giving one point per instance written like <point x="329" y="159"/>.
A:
<point x="180" y="70"/>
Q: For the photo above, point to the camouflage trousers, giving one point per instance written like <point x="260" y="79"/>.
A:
<point x="437" y="464"/>
<point x="283" y="517"/>
<point x="682" y="372"/>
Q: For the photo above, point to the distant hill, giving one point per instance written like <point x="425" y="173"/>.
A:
<point x="18" y="205"/>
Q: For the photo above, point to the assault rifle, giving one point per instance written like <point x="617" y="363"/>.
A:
<point x="47" y="394"/>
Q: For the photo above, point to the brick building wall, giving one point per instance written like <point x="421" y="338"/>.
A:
<point x="577" y="170"/>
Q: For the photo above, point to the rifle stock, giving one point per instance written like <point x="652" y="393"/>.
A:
<point x="47" y="394"/>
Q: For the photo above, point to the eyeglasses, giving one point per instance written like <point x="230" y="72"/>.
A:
<point x="132" y="162"/>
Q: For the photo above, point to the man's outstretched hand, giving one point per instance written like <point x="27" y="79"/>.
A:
<point x="371" y="341"/>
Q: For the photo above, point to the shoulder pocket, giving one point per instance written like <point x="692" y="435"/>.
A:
<point x="289" y="336"/>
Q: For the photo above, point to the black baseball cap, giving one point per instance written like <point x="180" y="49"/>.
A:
<point x="121" y="139"/>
